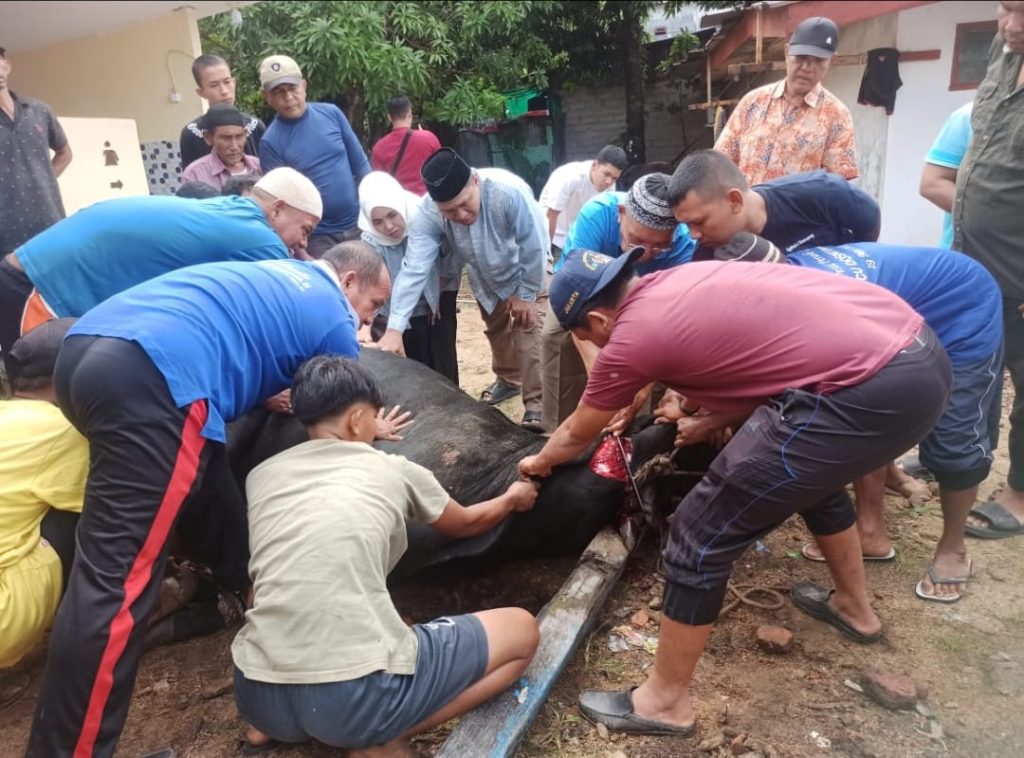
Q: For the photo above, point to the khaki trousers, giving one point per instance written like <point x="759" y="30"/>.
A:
<point x="515" y="352"/>
<point x="564" y="377"/>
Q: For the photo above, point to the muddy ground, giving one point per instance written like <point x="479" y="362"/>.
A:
<point x="969" y="656"/>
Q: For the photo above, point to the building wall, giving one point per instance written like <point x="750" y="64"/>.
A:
<point x="922" y="105"/>
<point x="128" y="73"/>
<point x="596" y="116"/>
<point x="869" y="123"/>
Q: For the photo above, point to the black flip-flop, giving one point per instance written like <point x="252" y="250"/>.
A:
<point x="498" y="392"/>
<point x="812" y="599"/>
<point x="532" y="422"/>
<point x="1002" y="523"/>
<point x="615" y="711"/>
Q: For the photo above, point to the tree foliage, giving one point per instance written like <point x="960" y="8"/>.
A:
<point x="453" y="57"/>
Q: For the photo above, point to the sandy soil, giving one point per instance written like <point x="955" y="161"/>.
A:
<point x="969" y="656"/>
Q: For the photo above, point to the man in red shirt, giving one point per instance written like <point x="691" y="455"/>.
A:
<point x="823" y="378"/>
<point x="403" y="150"/>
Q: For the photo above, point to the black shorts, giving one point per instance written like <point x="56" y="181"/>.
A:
<point x="795" y="455"/>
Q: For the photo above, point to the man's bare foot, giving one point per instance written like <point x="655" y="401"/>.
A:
<point x="947" y="565"/>
<point x="255" y="737"/>
<point x="397" y="748"/>
<point x="914" y="490"/>
<point x="1012" y="500"/>
<point x="667" y="708"/>
<point x="861" y="617"/>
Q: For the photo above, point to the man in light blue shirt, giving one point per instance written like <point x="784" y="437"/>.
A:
<point x="490" y="220"/>
<point x="611" y="223"/>
<point x="938" y="179"/>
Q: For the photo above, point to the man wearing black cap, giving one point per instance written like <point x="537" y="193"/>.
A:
<point x="870" y="381"/>
<point x="794" y="125"/>
<point x="490" y="220"/>
<point x="224" y="131"/>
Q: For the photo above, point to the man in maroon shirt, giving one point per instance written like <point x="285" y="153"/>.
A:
<point x="823" y="379"/>
<point x="403" y="150"/>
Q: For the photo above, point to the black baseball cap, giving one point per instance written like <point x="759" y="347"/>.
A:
<point x="35" y="354"/>
<point x="582" y="276"/>
<point x="817" y="36"/>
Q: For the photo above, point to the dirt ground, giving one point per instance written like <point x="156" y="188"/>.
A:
<point x="969" y="656"/>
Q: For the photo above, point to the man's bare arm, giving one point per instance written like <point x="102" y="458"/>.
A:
<point x="938" y="186"/>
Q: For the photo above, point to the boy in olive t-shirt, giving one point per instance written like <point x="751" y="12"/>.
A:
<point x="324" y="654"/>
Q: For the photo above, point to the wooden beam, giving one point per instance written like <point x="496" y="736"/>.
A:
<point x="495" y="729"/>
<point x="906" y="56"/>
<point x="847" y="12"/>
<point x="712" y="104"/>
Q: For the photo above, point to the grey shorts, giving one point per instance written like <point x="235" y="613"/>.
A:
<point x="378" y="707"/>
<point x="959" y="449"/>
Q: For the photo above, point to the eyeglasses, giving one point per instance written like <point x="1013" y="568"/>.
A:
<point x="653" y="250"/>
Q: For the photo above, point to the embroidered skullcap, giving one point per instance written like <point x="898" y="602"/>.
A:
<point x="647" y="202"/>
<point x="445" y="174"/>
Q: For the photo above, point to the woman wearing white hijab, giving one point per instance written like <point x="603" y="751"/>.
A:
<point x="386" y="213"/>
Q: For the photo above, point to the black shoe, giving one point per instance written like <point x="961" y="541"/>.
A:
<point x="532" y="422"/>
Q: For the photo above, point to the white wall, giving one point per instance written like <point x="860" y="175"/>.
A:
<point x="870" y="123"/>
<point x="922" y="105"/>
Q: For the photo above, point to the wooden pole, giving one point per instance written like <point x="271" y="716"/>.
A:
<point x="495" y="729"/>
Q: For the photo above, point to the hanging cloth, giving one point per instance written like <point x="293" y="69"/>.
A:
<point x="881" y="79"/>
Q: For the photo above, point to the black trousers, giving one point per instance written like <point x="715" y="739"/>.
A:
<point x="1013" y="342"/>
<point x="432" y="341"/>
<point x="147" y="458"/>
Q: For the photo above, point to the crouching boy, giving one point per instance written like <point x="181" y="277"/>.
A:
<point x="324" y="654"/>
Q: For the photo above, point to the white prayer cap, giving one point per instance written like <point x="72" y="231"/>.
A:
<point x="294" y="189"/>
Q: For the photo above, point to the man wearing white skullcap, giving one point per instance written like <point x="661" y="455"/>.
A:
<point x="108" y="247"/>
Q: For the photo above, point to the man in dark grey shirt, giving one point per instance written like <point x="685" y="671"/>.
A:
<point x="989" y="226"/>
<point x="28" y="176"/>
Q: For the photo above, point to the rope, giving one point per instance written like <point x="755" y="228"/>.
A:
<point x="743" y="594"/>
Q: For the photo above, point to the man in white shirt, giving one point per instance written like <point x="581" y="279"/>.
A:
<point x="572" y="184"/>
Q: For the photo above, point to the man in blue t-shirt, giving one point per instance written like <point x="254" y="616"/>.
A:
<point x="318" y="140"/>
<point x="150" y="377"/>
<point x="960" y="301"/>
<point x="108" y="247"/>
<point x="709" y="193"/>
<point x="611" y="223"/>
<point x="938" y="178"/>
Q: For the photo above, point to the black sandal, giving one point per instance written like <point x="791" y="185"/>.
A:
<point x="498" y="392"/>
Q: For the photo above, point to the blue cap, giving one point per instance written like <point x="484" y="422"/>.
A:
<point x="583" y="275"/>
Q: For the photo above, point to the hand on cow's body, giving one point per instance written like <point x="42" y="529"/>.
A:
<point x="522" y="495"/>
<point x="365" y="336"/>
<point x="673" y="407"/>
<point x="391" y="342"/>
<point x="390" y="424"/>
<point x="570" y="439"/>
<point x="521" y="312"/>
<point x="533" y="466"/>
<point x="713" y="428"/>
<point x="280" y="403"/>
